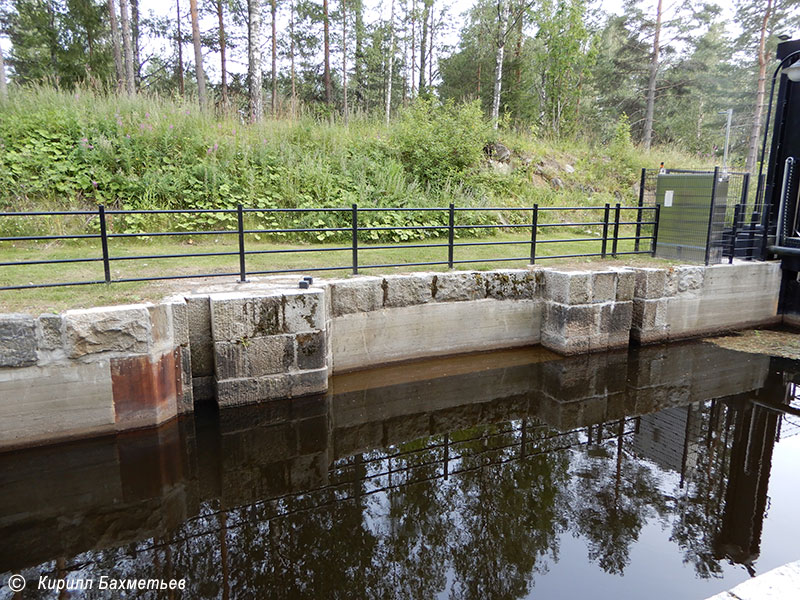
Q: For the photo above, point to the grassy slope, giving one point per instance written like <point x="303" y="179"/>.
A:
<point x="78" y="150"/>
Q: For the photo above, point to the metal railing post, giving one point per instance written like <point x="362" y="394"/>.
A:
<point x="104" y="243"/>
<point x="737" y="211"/>
<point x="355" y="238"/>
<point x="711" y="215"/>
<point x="242" y="268"/>
<point x="639" y="211"/>
<point x="655" y="230"/>
<point x="451" y="230"/>
<point x="605" y="229"/>
<point x="534" y="225"/>
<point x="616" y="231"/>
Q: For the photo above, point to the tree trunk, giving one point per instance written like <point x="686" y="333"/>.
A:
<point x="344" y="60"/>
<point x="3" y="86"/>
<point x="413" y="46"/>
<point x="391" y="65"/>
<point x="405" y="57"/>
<point x="254" y="75"/>
<point x="432" y="30"/>
<point x="198" y="55"/>
<point x="291" y="54"/>
<point x="135" y="39"/>
<point x="763" y="59"/>
<point x="423" y="42"/>
<point x="180" y="47"/>
<point x="651" y="86"/>
<point x="127" y="47"/>
<point x="274" y="103"/>
<point x="359" y="55"/>
<point x="502" y="12"/>
<point x="115" y="42"/>
<point x="327" y="42"/>
<point x="223" y="66"/>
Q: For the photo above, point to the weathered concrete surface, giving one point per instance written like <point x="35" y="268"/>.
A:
<point x="268" y="346"/>
<point x="116" y="329"/>
<point x="361" y="340"/>
<point x="50" y="403"/>
<point x="692" y="301"/>
<point x="17" y="341"/>
<point x="778" y="584"/>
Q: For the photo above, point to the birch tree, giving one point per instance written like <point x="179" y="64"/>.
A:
<point x="3" y="86"/>
<point x="222" y="48"/>
<point x="502" y="31"/>
<point x="254" y="73"/>
<point x="198" y="54"/>
<point x="127" y="46"/>
<point x="391" y="65"/>
<point x="119" y="69"/>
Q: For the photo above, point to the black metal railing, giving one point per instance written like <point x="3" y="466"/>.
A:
<point x="611" y="223"/>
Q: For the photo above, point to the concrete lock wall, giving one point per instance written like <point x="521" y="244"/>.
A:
<point x="103" y="370"/>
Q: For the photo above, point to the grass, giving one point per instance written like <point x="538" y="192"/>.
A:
<point x="270" y="256"/>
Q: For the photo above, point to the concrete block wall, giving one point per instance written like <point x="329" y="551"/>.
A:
<point x="690" y="301"/>
<point x="268" y="346"/>
<point x="90" y="372"/>
<point x="587" y="311"/>
<point x="87" y="372"/>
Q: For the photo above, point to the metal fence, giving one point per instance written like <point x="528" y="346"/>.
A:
<point x="707" y="216"/>
<point x="611" y="230"/>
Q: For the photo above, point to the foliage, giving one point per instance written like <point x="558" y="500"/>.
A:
<point x="436" y="141"/>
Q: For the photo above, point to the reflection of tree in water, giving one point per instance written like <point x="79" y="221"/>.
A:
<point x="506" y="520"/>
<point x="697" y="506"/>
<point x="614" y="496"/>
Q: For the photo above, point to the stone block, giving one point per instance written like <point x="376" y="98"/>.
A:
<point x="626" y="284"/>
<point x="308" y="382"/>
<point x="161" y="325"/>
<point x="119" y="329"/>
<point x="186" y="401"/>
<point x="254" y="357"/>
<point x="179" y="310"/>
<point x="456" y="286"/>
<point x="648" y="314"/>
<point x="407" y="290"/>
<point x="48" y="333"/>
<point x="604" y="286"/>
<point x="238" y="316"/>
<point x="568" y="287"/>
<point x="360" y="294"/>
<point x="252" y="390"/>
<point x="17" y="340"/>
<point x="569" y="320"/>
<point x="650" y="283"/>
<point x="510" y="284"/>
<point x="204" y="389"/>
<point x="303" y="310"/>
<point x="685" y="280"/>
<point x="311" y="350"/>
<point x="565" y="345"/>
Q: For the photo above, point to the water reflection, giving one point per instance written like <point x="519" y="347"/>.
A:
<point x="460" y="479"/>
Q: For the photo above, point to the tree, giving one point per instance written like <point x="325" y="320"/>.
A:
<point x="502" y="30"/>
<point x="344" y="60"/>
<point x="127" y="46"/>
<point x="291" y="54"/>
<point x="118" y="66"/>
<point x="423" y="43"/>
<point x="651" y="87"/>
<point x="274" y="11"/>
<point x="137" y="65"/>
<point x="327" y="50"/>
<point x="198" y="54"/>
<point x="222" y="47"/>
<point x="179" y="42"/>
<point x="3" y="86"/>
<point x="391" y="65"/>
<point x="254" y="75"/>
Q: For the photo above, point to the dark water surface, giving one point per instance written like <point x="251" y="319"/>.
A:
<point x="665" y="472"/>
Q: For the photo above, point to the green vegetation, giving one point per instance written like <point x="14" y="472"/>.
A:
<point x="77" y="150"/>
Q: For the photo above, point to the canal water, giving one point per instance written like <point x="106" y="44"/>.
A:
<point x="665" y="472"/>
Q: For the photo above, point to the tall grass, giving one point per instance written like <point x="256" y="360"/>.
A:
<point x="61" y="149"/>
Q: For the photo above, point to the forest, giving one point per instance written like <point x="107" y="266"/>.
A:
<point x="297" y="102"/>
